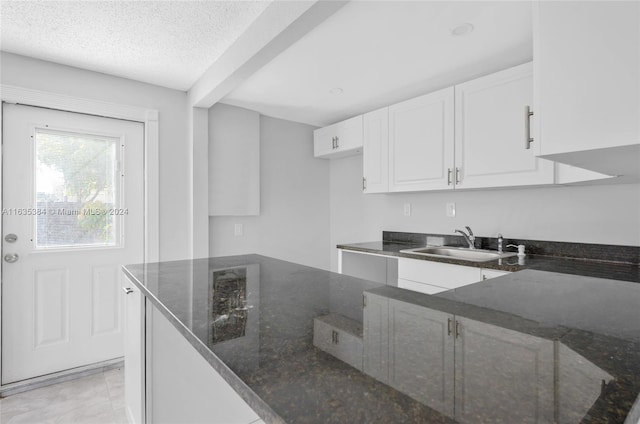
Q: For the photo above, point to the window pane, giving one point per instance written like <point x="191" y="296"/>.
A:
<point x="76" y="186"/>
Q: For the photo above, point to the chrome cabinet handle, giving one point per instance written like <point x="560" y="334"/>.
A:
<point x="337" y="142"/>
<point x="364" y="183"/>
<point x="11" y="257"/>
<point x="127" y="290"/>
<point x="457" y="176"/>
<point x="448" y="176"/>
<point x="333" y="142"/>
<point x="527" y="127"/>
<point x="449" y="322"/>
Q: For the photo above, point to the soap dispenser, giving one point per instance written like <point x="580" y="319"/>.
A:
<point x="520" y="248"/>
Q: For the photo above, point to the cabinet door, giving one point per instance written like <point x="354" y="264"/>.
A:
<point x="490" y="131"/>
<point x="133" y="353"/>
<point x="375" y="156"/>
<point x="421" y="354"/>
<point x="375" y="361"/>
<point x="338" y="140"/>
<point x="349" y="135"/>
<point x="323" y="141"/>
<point x="502" y="375"/>
<point x="421" y="142"/>
<point x="437" y="273"/>
<point x="587" y="58"/>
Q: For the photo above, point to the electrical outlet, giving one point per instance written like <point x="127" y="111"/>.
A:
<point x="407" y="209"/>
<point x="451" y="210"/>
<point x="238" y="230"/>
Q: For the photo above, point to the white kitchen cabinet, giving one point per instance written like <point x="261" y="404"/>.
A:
<point x="446" y="276"/>
<point x="368" y="266"/>
<point x="490" y="131"/>
<point x="133" y="353"/>
<point x="421" y="142"/>
<point x="488" y="359"/>
<point x="421" y="353"/>
<point x="375" y="154"/>
<point x="587" y="84"/>
<point x="375" y="361"/>
<point x="338" y="140"/>
<point x="182" y="387"/>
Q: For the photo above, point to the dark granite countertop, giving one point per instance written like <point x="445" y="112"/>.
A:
<point x="532" y="346"/>
<point x="569" y="265"/>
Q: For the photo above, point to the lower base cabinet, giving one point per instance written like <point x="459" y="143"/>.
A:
<point x="182" y="387"/>
<point x="166" y="379"/>
<point x="433" y="277"/>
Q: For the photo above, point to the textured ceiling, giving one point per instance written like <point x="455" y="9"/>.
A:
<point x="168" y="43"/>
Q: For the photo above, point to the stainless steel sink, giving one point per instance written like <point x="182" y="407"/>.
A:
<point x="463" y="253"/>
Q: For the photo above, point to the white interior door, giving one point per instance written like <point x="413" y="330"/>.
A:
<point x="73" y="193"/>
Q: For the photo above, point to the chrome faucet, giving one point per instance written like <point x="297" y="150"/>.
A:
<point x="470" y="238"/>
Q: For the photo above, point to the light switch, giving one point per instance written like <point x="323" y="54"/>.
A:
<point x="451" y="210"/>
<point x="238" y="230"/>
<point x="407" y="209"/>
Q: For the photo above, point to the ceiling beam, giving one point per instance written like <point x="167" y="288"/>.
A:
<point x="278" y="27"/>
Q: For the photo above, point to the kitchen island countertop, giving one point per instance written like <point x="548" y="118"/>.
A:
<point x="278" y="371"/>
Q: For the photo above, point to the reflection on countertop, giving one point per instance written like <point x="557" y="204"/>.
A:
<point x="532" y="346"/>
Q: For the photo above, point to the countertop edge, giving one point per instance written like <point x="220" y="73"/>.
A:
<point x="255" y="402"/>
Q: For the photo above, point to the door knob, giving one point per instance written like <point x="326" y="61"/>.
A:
<point x="127" y="290"/>
<point x="11" y="238"/>
<point x="11" y="257"/>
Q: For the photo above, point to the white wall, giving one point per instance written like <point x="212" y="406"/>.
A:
<point x="607" y="214"/>
<point x="294" y="213"/>
<point x="25" y="72"/>
<point x="234" y="161"/>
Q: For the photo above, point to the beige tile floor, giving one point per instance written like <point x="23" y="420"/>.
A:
<point x="95" y="399"/>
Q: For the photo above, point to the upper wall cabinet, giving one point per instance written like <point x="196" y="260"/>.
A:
<point x="338" y="140"/>
<point x="490" y="129"/>
<point x="375" y="155"/>
<point x="587" y="84"/>
<point x="421" y="142"/>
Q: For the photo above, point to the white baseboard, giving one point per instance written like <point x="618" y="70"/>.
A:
<point x="59" y="377"/>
